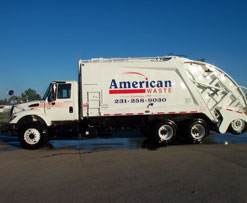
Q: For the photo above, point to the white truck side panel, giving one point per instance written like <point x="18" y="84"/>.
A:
<point x="137" y="88"/>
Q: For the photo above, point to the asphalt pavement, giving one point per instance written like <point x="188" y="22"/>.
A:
<point x="177" y="173"/>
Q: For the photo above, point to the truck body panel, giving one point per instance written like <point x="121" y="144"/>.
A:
<point x="137" y="88"/>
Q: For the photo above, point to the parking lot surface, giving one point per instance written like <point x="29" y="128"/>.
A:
<point x="63" y="172"/>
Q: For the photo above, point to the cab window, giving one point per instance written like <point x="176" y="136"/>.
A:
<point x="64" y="91"/>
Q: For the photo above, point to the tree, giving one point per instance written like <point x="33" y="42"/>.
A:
<point x="30" y="95"/>
<point x="202" y="59"/>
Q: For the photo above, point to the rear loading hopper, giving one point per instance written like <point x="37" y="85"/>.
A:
<point x="223" y="97"/>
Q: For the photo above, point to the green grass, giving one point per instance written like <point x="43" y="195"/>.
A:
<point x="4" y="117"/>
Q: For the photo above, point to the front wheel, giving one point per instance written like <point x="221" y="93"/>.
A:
<point x="33" y="136"/>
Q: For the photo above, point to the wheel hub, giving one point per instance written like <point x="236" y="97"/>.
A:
<point x="198" y="131"/>
<point x="166" y="132"/>
<point x="195" y="131"/>
<point x="238" y="125"/>
<point x="32" y="136"/>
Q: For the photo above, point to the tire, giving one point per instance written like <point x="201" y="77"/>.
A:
<point x="237" y="126"/>
<point x="165" y="131"/>
<point x="33" y="136"/>
<point x="197" y="130"/>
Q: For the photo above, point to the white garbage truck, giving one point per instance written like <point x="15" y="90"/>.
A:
<point x="165" y="97"/>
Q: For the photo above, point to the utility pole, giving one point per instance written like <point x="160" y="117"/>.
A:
<point x="7" y="95"/>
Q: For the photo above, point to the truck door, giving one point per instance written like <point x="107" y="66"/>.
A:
<point x="61" y="107"/>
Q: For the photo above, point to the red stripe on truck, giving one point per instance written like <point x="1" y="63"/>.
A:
<point x="181" y="112"/>
<point x="133" y="91"/>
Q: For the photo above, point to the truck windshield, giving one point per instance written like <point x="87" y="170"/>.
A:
<point x="47" y="92"/>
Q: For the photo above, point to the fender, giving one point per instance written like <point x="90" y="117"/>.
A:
<point x="32" y="116"/>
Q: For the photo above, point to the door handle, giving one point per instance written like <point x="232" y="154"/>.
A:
<point x="71" y="109"/>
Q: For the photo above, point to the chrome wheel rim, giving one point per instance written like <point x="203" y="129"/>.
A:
<point x="166" y="132"/>
<point x="32" y="136"/>
<point x="238" y="125"/>
<point x="198" y="131"/>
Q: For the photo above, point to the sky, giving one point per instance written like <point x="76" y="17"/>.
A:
<point x="42" y="41"/>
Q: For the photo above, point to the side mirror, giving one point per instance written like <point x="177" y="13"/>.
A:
<point x="52" y="96"/>
<point x="53" y="88"/>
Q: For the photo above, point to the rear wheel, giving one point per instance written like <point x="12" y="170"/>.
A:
<point x="237" y="126"/>
<point x="197" y="130"/>
<point x="165" y="131"/>
<point x="33" y="136"/>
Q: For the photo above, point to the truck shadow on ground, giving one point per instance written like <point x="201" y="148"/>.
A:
<point x="109" y="142"/>
<point x="118" y="140"/>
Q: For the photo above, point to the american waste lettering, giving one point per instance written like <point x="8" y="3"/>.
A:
<point x="141" y="86"/>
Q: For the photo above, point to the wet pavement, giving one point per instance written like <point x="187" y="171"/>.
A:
<point x="118" y="169"/>
<point x="131" y="139"/>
